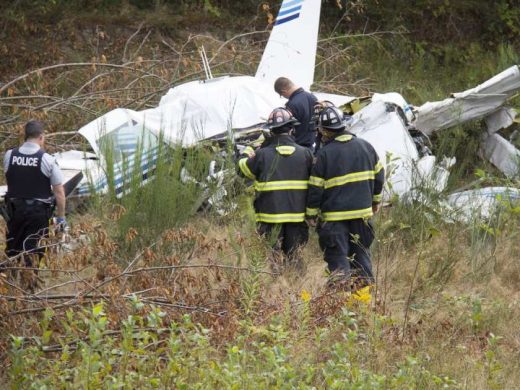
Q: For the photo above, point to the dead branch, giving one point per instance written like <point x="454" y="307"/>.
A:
<point x="220" y="266"/>
<point x="72" y="65"/>
<point x="11" y="298"/>
<point x="142" y="43"/>
<point x="28" y="97"/>
<point x="74" y="300"/>
<point x="73" y="344"/>
<point x="59" y="133"/>
<point x="364" y="35"/>
<point x="130" y="39"/>
<point x="21" y="254"/>
<point x="234" y="38"/>
<point x="170" y="47"/>
<point x="90" y="82"/>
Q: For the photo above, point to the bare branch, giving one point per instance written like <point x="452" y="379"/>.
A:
<point x="130" y="39"/>
<point x="234" y="38"/>
<point x="142" y="43"/>
<point x="71" y="65"/>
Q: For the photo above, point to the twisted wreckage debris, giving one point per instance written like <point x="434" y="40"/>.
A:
<point x="217" y="110"/>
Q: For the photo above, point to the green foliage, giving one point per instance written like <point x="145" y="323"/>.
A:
<point x="461" y="21"/>
<point x="164" y="194"/>
<point x="251" y="285"/>
<point x="166" y="201"/>
<point x="141" y="352"/>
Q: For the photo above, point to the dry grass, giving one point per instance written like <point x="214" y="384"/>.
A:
<point x="207" y="267"/>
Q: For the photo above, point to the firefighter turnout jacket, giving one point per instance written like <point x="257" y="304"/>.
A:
<point x="280" y="171"/>
<point x="346" y="180"/>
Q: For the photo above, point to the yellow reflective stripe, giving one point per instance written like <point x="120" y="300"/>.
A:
<point x="311" y="212"/>
<point x="377" y="198"/>
<point x="242" y="164"/>
<point x="349" y="178"/>
<point x="281" y="185"/>
<point x="343" y="138"/>
<point x="378" y="167"/>
<point x="316" y="181"/>
<point x="248" y="150"/>
<point x="351" y="214"/>
<point x="285" y="150"/>
<point x="280" y="218"/>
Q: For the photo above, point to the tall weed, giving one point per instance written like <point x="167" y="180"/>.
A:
<point x="156" y="187"/>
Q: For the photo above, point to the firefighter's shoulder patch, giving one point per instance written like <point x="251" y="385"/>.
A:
<point x="285" y="150"/>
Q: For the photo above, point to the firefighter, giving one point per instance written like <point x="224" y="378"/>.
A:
<point x="280" y="171"/>
<point x="319" y="106"/>
<point x="34" y="180"/>
<point x="345" y="190"/>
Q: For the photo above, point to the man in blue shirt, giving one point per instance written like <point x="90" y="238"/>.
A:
<point x="301" y="104"/>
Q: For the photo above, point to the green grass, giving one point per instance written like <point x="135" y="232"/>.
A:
<point x="175" y="188"/>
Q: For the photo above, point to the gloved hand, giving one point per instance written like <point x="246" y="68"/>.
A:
<point x="61" y="223"/>
<point x="248" y="152"/>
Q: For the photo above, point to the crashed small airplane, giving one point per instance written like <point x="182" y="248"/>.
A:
<point x="224" y="108"/>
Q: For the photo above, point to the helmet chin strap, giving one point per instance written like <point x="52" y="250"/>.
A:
<point x="282" y="130"/>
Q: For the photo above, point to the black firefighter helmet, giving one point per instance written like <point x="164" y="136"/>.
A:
<point x="281" y="120"/>
<point x="332" y="119"/>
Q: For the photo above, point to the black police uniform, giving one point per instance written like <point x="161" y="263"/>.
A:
<point x="29" y="215"/>
<point x="346" y="180"/>
<point x="301" y="104"/>
<point x="281" y="172"/>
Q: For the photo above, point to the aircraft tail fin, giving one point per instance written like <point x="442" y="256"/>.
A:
<point x="291" y="49"/>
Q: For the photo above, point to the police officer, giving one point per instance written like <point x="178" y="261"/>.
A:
<point x="345" y="187"/>
<point x="301" y="105"/>
<point x="280" y="171"/>
<point x="33" y="177"/>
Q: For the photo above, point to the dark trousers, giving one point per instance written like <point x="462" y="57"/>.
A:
<point x="346" y="247"/>
<point x="291" y="237"/>
<point x="27" y="225"/>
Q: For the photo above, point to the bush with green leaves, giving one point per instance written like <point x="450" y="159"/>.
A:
<point x="144" y="352"/>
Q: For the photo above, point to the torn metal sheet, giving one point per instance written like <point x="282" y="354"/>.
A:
<point x="482" y="203"/>
<point x="500" y="119"/>
<point x="381" y="124"/>
<point x="502" y="154"/>
<point x="475" y="103"/>
<point x="505" y="83"/>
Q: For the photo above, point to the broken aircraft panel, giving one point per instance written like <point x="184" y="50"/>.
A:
<point x="485" y="101"/>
